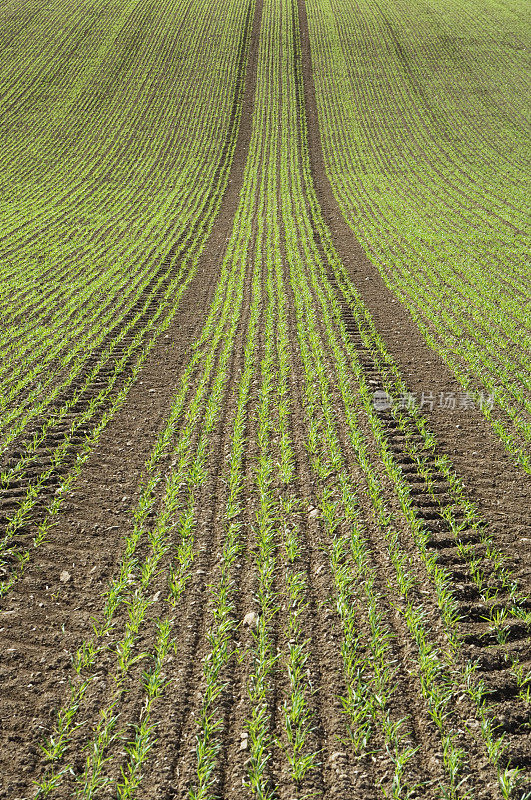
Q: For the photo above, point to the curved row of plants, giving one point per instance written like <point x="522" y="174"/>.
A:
<point x="422" y="121"/>
<point x="95" y="273"/>
<point x="99" y="225"/>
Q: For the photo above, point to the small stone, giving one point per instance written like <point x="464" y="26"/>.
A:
<point x="250" y="620"/>
<point x="156" y="596"/>
<point x="338" y="755"/>
<point x="65" y="576"/>
<point x="314" y="513"/>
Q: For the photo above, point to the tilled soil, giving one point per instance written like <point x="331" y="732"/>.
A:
<point x="50" y="610"/>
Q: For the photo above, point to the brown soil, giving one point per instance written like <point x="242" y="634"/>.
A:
<point x="502" y="490"/>
<point x="112" y="361"/>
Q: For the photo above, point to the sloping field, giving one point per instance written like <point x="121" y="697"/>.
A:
<point x="424" y="111"/>
<point x="264" y="457"/>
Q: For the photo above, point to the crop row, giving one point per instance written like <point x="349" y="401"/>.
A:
<point x="83" y="316"/>
<point x="70" y="282"/>
<point x="424" y="151"/>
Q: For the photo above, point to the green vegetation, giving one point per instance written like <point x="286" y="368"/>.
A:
<point x="101" y="247"/>
<point x="423" y="123"/>
<point x="279" y="603"/>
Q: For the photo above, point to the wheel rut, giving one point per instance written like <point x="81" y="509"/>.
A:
<point x="501" y="490"/>
<point x="36" y="463"/>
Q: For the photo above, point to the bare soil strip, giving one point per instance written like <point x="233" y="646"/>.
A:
<point x="503" y="492"/>
<point x="47" y="614"/>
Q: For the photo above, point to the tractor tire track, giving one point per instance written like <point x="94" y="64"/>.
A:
<point x="65" y="409"/>
<point x="502" y="491"/>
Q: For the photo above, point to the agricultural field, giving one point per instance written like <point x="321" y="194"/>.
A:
<point x="265" y="462"/>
